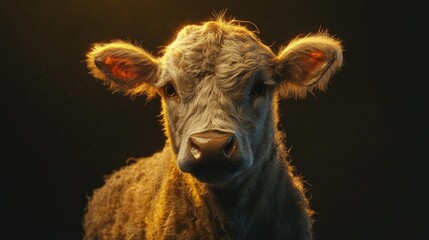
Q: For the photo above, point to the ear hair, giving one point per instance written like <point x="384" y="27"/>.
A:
<point x="307" y="63"/>
<point x="124" y="67"/>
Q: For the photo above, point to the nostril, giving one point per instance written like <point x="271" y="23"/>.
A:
<point x="194" y="150"/>
<point x="230" y="147"/>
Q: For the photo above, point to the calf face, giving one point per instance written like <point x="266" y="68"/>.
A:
<point x="219" y="85"/>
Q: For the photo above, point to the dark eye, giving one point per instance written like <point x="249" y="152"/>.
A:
<point x="169" y="90"/>
<point x="258" y="89"/>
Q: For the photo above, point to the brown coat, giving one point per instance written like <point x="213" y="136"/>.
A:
<point x="152" y="199"/>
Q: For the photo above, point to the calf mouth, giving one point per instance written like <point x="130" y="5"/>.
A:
<point x="215" y="175"/>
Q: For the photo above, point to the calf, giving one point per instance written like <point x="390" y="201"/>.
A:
<point x="224" y="172"/>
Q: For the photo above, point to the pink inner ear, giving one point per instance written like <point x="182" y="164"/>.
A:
<point x="121" y="68"/>
<point x="314" y="63"/>
<point x="316" y="60"/>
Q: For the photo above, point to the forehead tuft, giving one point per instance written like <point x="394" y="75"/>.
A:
<point x="201" y="50"/>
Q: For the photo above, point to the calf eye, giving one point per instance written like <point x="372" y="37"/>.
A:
<point x="169" y="90"/>
<point x="258" y="89"/>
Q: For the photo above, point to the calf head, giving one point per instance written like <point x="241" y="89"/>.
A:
<point x="219" y="85"/>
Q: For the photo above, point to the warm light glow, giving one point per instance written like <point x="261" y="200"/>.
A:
<point x="316" y="60"/>
<point x="316" y="55"/>
<point x="120" y="68"/>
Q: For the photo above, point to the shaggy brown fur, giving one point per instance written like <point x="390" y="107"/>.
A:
<point x="214" y="69"/>
<point x="152" y="199"/>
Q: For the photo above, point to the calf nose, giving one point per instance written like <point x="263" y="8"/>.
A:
<point x="212" y="148"/>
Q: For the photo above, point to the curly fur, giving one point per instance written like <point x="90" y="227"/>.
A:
<point x="214" y="68"/>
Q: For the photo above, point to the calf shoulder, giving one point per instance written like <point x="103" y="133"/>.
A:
<point x="118" y="208"/>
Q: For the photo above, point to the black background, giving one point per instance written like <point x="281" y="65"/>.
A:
<point x="362" y="145"/>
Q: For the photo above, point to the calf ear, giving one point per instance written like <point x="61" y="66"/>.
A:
<point x="124" y="67"/>
<point x="308" y="63"/>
